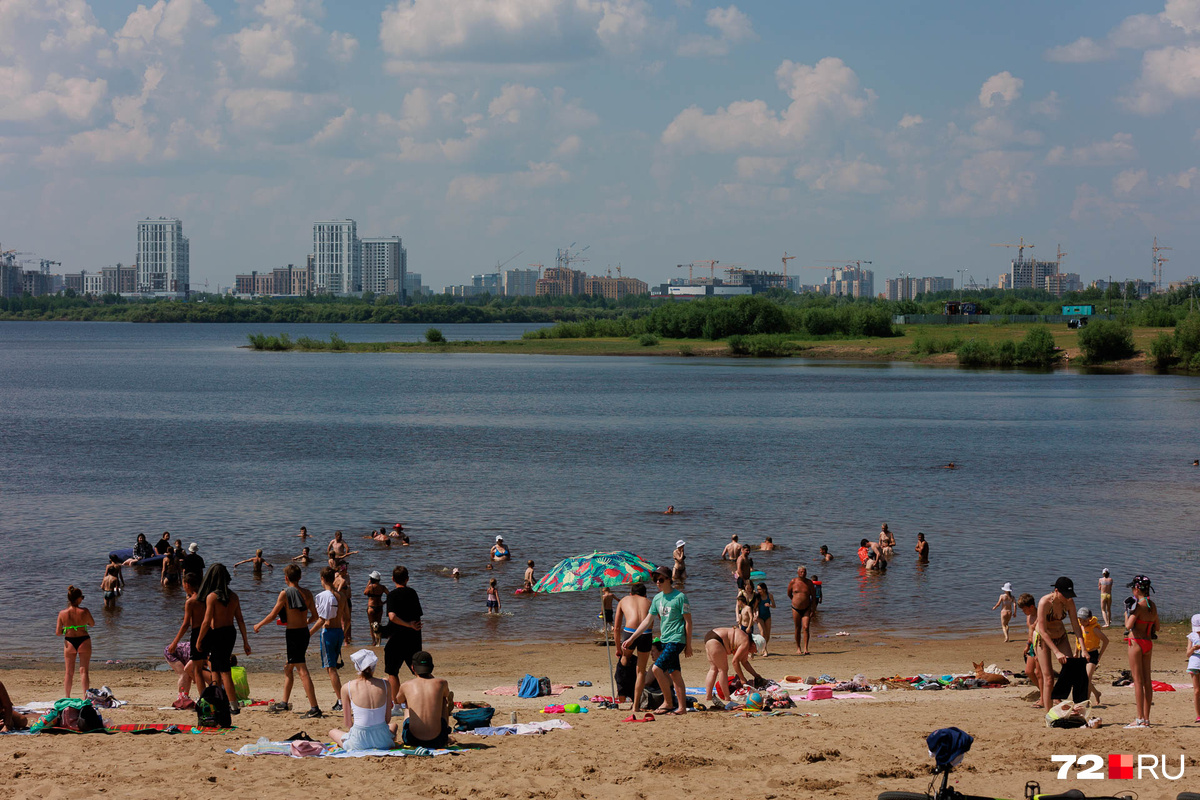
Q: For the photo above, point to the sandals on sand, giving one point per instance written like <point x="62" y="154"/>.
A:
<point x="633" y="718"/>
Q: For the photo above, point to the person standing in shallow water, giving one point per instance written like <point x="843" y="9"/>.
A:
<point x="1105" y="585"/>
<point x="803" y="597"/>
<point x="922" y="549"/>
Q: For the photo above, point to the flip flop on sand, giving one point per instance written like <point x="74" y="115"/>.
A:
<point x="631" y="718"/>
<point x="648" y="718"/>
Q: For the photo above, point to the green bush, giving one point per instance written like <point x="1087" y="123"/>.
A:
<point x="1187" y="337"/>
<point x="261" y="341"/>
<point x="1194" y="364"/>
<point x="1105" y="340"/>
<point x="1162" y="352"/>
<point x="925" y="346"/>
<point x="434" y="336"/>
<point x="336" y="342"/>
<point x="686" y="350"/>
<point x="1037" y="349"/>
<point x="647" y="340"/>
<point x="763" y="345"/>
<point x="739" y="345"/>
<point x="1004" y="354"/>
<point x="975" y="353"/>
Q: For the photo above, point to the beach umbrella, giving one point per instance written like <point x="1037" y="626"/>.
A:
<point x="592" y="571"/>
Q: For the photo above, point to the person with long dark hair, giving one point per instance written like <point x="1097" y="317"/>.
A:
<point x="1141" y="626"/>
<point x="73" y="622"/>
<point x="217" y="634"/>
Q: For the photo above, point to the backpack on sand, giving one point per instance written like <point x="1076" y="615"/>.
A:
<point x="212" y="709"/>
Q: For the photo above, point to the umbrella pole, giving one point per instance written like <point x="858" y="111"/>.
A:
<point x="612" y="681"/>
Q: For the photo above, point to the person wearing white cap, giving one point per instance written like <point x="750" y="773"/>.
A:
<point x="679" y="572"/>
<point x="1105" y="585"/>
<point x="366" y="709"/>
<point x="1007" y="606"/>
<point x="500" y="551"/>
<point x="1193" y="657"/>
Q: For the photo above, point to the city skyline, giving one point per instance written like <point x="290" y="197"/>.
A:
<point x="660" y="133"/>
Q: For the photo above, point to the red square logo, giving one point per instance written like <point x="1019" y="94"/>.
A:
<point x="1120" y="766"/>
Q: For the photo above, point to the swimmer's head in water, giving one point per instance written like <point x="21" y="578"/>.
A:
<point x="824" y="548"/>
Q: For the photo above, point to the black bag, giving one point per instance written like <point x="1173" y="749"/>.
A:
<point x="81" y="720"/>
<point x="212" y="709"/>
<point x="1072" y="680"/>
<point x="544" y="687"/>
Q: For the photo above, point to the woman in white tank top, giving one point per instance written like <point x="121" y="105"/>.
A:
<point x="367" y="709"/>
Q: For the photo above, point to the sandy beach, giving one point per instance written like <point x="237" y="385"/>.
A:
<point x="852" y="748"/>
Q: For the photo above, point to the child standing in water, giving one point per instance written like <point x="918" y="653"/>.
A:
<point x="493" y="598"/>
<point x="1006" y="604"/>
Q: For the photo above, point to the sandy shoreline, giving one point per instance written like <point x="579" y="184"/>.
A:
<point x="853" y="749"/>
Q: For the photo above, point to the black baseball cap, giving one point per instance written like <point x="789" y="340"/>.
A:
<point x="422" y="663"/>
<point x="1065" y="586"/>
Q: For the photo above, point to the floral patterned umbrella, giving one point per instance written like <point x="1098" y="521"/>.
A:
<point x="580" y="573"/>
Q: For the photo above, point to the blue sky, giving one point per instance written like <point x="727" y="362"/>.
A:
<point x="912" y="135"/>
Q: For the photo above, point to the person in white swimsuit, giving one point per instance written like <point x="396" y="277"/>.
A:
<point x="366" y="709"/>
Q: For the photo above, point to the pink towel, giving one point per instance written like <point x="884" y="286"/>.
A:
<point x="511" y="691"/>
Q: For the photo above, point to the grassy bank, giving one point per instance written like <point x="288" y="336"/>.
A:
<point x="921" y="344"/>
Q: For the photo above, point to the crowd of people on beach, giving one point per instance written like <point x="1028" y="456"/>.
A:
<point x="202" y="651"/>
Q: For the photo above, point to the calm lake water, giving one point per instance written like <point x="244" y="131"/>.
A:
<point x="115" y="429"/>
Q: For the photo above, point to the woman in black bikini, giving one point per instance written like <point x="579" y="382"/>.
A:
<point x="1050" y="640"/>
<point x="1141" y="624"/>
<point x="73" y="622"/>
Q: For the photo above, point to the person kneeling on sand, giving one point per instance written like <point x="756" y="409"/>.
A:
<point x="719" y="645"/>
<point x="367" y="709"/>
<point x="429" y="700"/>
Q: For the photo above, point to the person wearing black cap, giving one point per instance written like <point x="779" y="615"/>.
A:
<point x="428" y="701"/>
<point x="1052" y="645"/>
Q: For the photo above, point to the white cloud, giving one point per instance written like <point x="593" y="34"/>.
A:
<point x="1048" y="106"/>
<point x="1187" y="179"/>
<point x="510" y="31"/>
<point x="342" y="47"/>
<point x="732" y="23"/>
<point x="825" y="93"/>
<point x="1081" y="51"/>
<point x="473" y="188"/>
<point x="1184" y="14"/>
<point x="266" y="50"/>
<point x="60" y="24"/>
<point x="1127" y="181"/>
<point x="910" y="121"/>
<point x="1168" y="74"/>
<point x="1096" y="154"/>
<point x="334" y="129"/>
<point x="274" y="109"/>
<point x="858" y="176"/>
<point x="513" y="99"/>
<point x="568" y="147"/>
<point x="989" y="183"/>
<point x="1141" y="31"/>
<point x="1002" y="84"/>
<point x="76" y="99"/>
<point x="1091" y="205"/>
<point x="163" y="26"/>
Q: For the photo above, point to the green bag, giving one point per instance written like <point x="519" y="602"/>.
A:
<point x="240" y="684"/>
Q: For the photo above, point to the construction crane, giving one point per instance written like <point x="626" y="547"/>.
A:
<point x="1157" y="263"/>
<point x="688" y="266"/>
<point x="1061" y="254"/>
<point x="539" y="268"/>
<point x="786" y="258"/>
<point x="1020" y="248"/>
<point x="845" y="262"/>
<point x="47" y="263"/>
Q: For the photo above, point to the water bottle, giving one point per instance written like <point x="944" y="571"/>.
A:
<point x="512" y="718"/>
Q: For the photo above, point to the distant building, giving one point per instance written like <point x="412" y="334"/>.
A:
<point x="119" y="279"/>
<point x="337" y="257"/>
<point x="279" y="282"/>
<point x="559" y="282"/>
<point x="1061" y="283"/>
<point x="1186" y="283"/>
<point x="695" y="291"/>
<point x="521" y="282"/>
<point x="757" y="280"/>
<point x="93" y="284"/>
<point x="384" y="265"/>
<point x="163" y="256"/>
<point x="850" y="282"/>
<point x="413" y="286"/>
<point x="907" y="288"/>
<point x="488" y="283"/>
<point x="1028" y="273"/>
<point x="614" y="288"/>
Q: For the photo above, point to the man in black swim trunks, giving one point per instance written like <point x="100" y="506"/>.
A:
<point x="301" y="612"/>
<point x="404" y="629"/>
<point x="802" y="594"/>
<point x="428" y="700"/>
<point x="629" y="615"/>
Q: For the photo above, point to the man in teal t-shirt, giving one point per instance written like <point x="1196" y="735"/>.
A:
<point x="675" y="631"/>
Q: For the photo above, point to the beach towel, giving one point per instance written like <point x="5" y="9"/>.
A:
<point x="523" y="728"/>
<point x="266" y="747"/>
<point x="511" y="691"/>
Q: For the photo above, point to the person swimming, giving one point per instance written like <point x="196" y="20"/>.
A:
<point x="670" y="510"/>
<point x="500" y="551"/>
<point x="951" y="465"/>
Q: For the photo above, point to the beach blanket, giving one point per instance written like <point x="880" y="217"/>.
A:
<point x="266" y="747"/>
<point x="511" y="691"/>
<point x="145" y="727"/>
<point x="523" y="728"/>
<point x="837" y="696"/>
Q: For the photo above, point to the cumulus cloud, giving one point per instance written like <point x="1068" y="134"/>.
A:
<point x="1114" y="151"/>
<point x="827" y="92"/>
<point x="1003" y="85"/>
<point x="1091" y="205"/>
<point x="989" y="183"/>
<point x="910" y="121"/>
<point x="732" y="26"/>
<point x="21" y="100"/>
<point x="1081" y="51"/>
<point x="858" y="176"/>
<point x="1128" y="181"/>
<point x="162" y="26"/>
<point x="510" y="31"/>
<point x="55" y="25"/>
<point x="473" y="188"/>
<point x="1168" y="74"/>
<point x="1049" y="106"/>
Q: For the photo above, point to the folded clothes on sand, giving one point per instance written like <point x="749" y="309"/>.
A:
<point x="523" y="728"/>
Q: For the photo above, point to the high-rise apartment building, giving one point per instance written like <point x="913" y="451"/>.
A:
<point x="384" y="265"/>
<point x="337" y="257"/>
<point x="413" y="286"/>
<point x="850" y="282"/>
<point x="520" y="282"/>
<point x="1030" y="274"/>
<point x="163" y="256"/>
<point x="1061" y="283"/>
